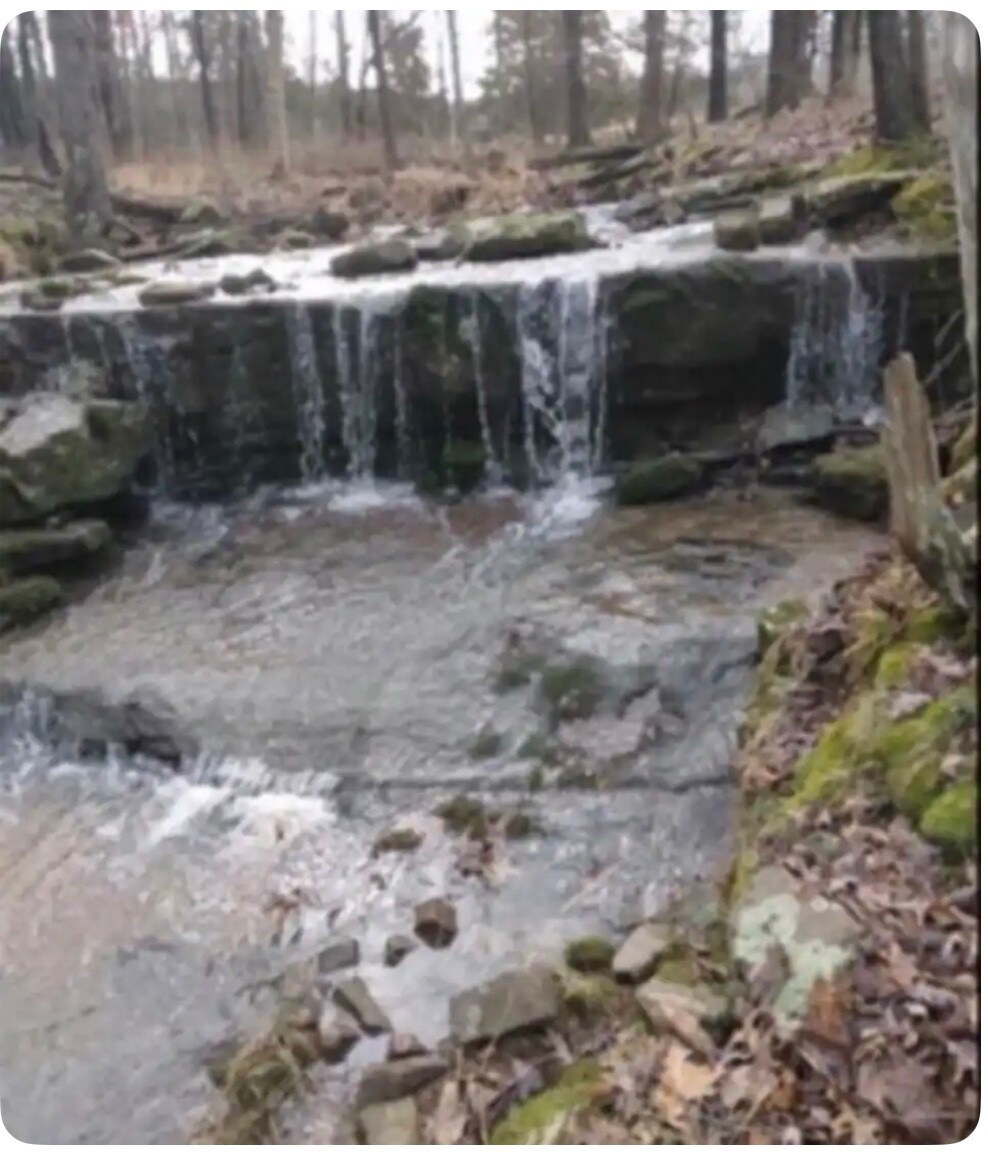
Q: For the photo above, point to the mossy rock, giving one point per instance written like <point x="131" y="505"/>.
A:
<point x="589" y="954"/>
<point x="465" y="464"/>
<point x="202" y="211"/>
<point x="528" y="1123"/>
<point x="779" y="619"/>
<point x="516" y="237"/>
<point x="488" y="744"/>
<point x="588" y="996"/>
<point x="924" y="207"/>
<point x="400" y="840"/>
<point x="873" y="159"/>
<point x="462" y="814"/>
<point x="852" y="481"/>
<point x="520" y="824"/>
<point x="738" y="231"/>
<point x="951" y="820"/>
<point x="653" y="480"/>
<point x="26" y="549"/>
<point x="24" y="600"/>
<point x="831" y="768"/>
<point x="572" y="689"/>
<point x="929" y="625"/>
<point x="895" y="665"/>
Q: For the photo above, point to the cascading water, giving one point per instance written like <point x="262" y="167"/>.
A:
<point x="149" y="366"/>
<point x="308" y="391"/>
<point x="494" y="472"/>
<point x="835" y="345"/>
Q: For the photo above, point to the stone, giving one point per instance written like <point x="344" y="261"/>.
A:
<point x="851" y="481"/>
<point x="89" y="260"/>
<point x="400" y="840"/>
<point x="294" y="240"/>
<point x="839" y="201"/>
<point x="435" y="922"/>
<point x="342" y="953"/>
<point x="390" y="1123"/>
<point x="23" y="549"/>
<point x="639" y="954"/>
<point x="337" y="1034"/>
<point x="39" y="302"/>
<point x="816" y="936"/>
<point x="354" y="996"/>
<point x="371" y="259"/>
<point x="396" y="947"/>
<point x="444" y="245"/>
<point x="684" y="1011"/>
<point x="793" y="426"/>
<point x="205" y="243"/>
<point x="514" y="1001"/>
<point x="237" y="284"/>
<point x="589" y="954"/>
<point x="329" y="222"/>
<point x="403" y="1044"/>
<point x="393" y="1079"/>
<point x="58" y="451"/>
<point x="202" y="211"/>
<point x="61" y="287"/>
<point x="665" y="478"/>
<point x="738" y="231"/>
<point x="515" y="237"/>
<point x="778" y="222"/>
<point x="26" y="599"/>
<point x="174" y="292"/>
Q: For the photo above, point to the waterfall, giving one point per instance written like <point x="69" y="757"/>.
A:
<point x="402" y="435"/>
<point x="835" y="344"/>
<point x="150" y="369"/>
<point x="494" y="473"/>
<point x="562" y="338"/>
<point x="237" y="400"/>
<point x="308" y="391"/>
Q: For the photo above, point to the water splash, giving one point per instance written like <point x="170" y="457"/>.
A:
<point x="150" y="369"/>
<point x="308" y="391"/>
<point x="470" y="328"/>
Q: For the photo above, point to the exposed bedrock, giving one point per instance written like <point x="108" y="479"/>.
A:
<point x="438" y="381"/>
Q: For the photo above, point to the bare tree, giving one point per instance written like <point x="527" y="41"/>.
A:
<point x="274" y="27"/>
<point x="343" y="68"/>
<point x="840" y="52"/>
<point x="577" y="122"/>
<point x="717" y="104"/>
<point x="37" y="89"/>
<point x="313" y="59"/>
<point x="649" y="124"/>
<point x="14" y="122"/>
<point x="918" y="75"/>
<point x="535" y="121"/>
<point x="456" y="124"/>
<point x="84" y="187"/>
<point x="895" y="110"/>
<point x="110" y="90"/>
<point x="200" y="47"/>
<point x="790" y="59"/>
<point x="383" y="90"/>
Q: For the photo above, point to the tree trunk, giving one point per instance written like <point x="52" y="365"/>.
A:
<point x="854" y="50"/>
<point x="535" y="122"/>
<point x="717" y="108"/>
<point x="176" y="78"/>
<point x="29" y="87"/>
<point x="313" y="59"/>
<point x="840" y="30"/>
<point x="499" y="122"/>
<point x="649" y="123"/>
<point x="456" y="125"/>
<point x="577" y="123"/>
<point x="790" y="60"/>
<point x="87" y="199"/>
<point x="918" y="75"/>
<point x="895" y="110"/>
<point x="383" y="91"/>
<point x="146" y="76"/>
<point x="962" y="102"/>
<point x="14" y="122"/>
<point x="38" y="90"/>
<point x="274" y="27"/>
<point x="201" y="50"/>
<point x="343" y="66"/>
<point x="108" y="73"/>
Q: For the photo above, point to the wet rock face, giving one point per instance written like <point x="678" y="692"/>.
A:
<point x="518" y="237"/>
<point x="26" y="549"/>
<point x="371" y="259"/>
<point x="510" y="1003"/>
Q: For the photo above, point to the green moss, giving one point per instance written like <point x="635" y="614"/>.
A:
<point x="830" y="768"/>
<point x="572" y="689"/>
<point x="925" y="207"/>
<point x="487" y="744"/>
<point x="779" y="619"/>
<point x="588" y="996"/>
<point x="520" y="824"/>
<point x="895" y="665"/>
<point x="852" y="481"/>
<point x="401" y="840"/>
<point x="679" y="968"/>
<point x="24" y="600"/>
<point x="527" y="1123"/>
<point x="652" y="480"/>
<point x="591" y="953"/>
<point x="918" y="152"/>
<point x="952" y="818"/>
<point x="463" y="814"/>
<point x="929" y="625"/>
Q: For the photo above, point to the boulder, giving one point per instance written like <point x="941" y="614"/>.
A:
<point x="337" y="1035"/>
<point x="24" y="549"/>
<point x="664" y="478"/>
<point x="396" y="947"/>
<point x="737" y="231"/>
<point x="58" y="451"/>
<point x="512" y="1002"/>
<point x="435" y="922"/>
<point x="639" y="954"/>
<point x="354" y="997"/>
<point x="403" y="839"/>
<point x="839" y="201"/>
<point x="516" y="237"/>
<point x="793" y="426"/>
<point x="851" y="481"/>
<point x="208" y="242"/>
<point x="202" y="211"/>
<point x="89" y="260"/>
<point x="174" y="292"/>
<point x="38" y="302"/>
<point x="372" y="259"/>
<point x="28" y="598"/>
<point x="443" y="245"/>
<point x="588" y="954"/>
<point x="684" y="1011"/>
<point x="778" y="222"/>
<point x="389" y="1123"/>
<point x="338" y="955"/>
<point x="329" y="222"/>
<point x="237" y="284"/>
<point x="295" y="240"/>
<point x="393" y="1079"/>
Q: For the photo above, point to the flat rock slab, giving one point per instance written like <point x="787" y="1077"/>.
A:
<point x="389" y="1123"/>
<point x="396" y="947"/>
<point x="682" y="1010"/>
<point x="516" y="1000"/>
<point x="393" y="1079"/>
<point x="337" y="955"/>
<point x="816" y="936"/>
<point x="354" y="997"/>
<point x="639" y="954"/>
<point x="24" y="549"/>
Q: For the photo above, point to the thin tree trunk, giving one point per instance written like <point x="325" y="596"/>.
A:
<point x="535" y="122"/>
<point x="201" y="50"/>
<point x="132" y="63"/>
<point x="146" y="90"/>
<point x="895" y="110"/>
<point x="343" y="66"/>
<point x="840" y="29"/>
<point x="274" y="27"/>
<point x="446" y="124"/>
<point x="855" y="37"/>
<point x="649" y="125"/>
<point x="29" y="87"/>
<point x="457" y="131"/>
<point x="717" y="106"/>
<point x="176" y="77"/>
<point x="31" y="52"/>
<point x="313" y="61"/>
<point x="918" y="74"/>
<point x="87" y="199"/>
<point x="383" y="91"/>
<point x="577" y="123"/>
<point x="500" y="121"/>
<point x="14" y="121"/>
<point x="110" y="88"/>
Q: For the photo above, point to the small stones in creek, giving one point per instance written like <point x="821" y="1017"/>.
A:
<point x="403" y="1044"/>
<point x="684" y="1011"/>
<point x="392" y="1079"/>
<point x="435" y="922"/>
<point x="639" y="954"/>
<point x="337" y="1034"/>
<point x="342" y="953"/>
<point x="354" y="997"/>
<point x="396" y="947"/>
<point x="389" y="1123"/>
<point x="400" y="840"/>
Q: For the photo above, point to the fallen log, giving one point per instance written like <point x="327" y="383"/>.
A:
<point x="586" y="154"/>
